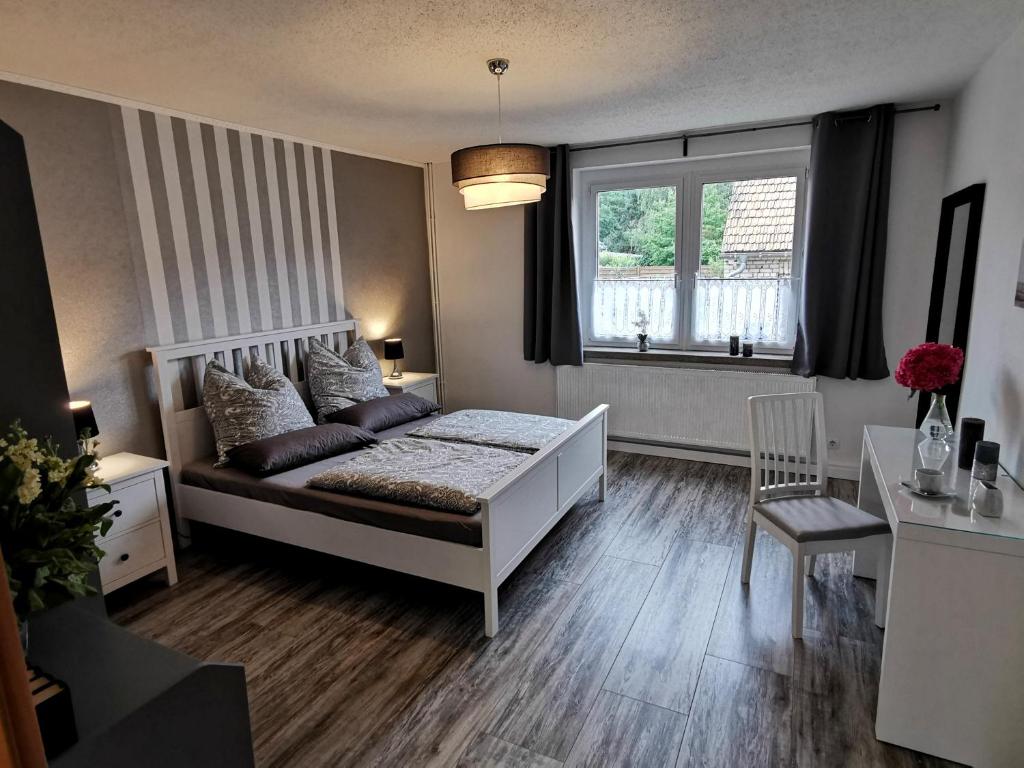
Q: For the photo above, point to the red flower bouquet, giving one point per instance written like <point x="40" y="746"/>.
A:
<point x="930" y="367"/>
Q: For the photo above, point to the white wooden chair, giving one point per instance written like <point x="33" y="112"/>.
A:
<point x="789" y="496"/>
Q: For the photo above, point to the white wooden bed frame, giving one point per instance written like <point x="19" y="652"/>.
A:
<point x="516" y="512"/>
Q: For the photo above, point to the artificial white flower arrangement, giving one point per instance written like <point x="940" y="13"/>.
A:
<point x="48" y="531"/>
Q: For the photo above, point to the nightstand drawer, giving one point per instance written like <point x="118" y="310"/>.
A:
<point x="426" y="390"/>
<point x="131" y="552"/>
<point x="420" y="384"/>
<point x="138" y="505"/>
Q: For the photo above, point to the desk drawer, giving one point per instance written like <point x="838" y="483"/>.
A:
<point x="131" y="552"/>
<point x="138" y="505"/>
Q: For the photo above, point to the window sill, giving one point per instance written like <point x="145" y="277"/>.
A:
<point x="715" y="359"/>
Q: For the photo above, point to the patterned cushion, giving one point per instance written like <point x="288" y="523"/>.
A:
<point x="338" y="381"/>
<point x="264" y="404"/>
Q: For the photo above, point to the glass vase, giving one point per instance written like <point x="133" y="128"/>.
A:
<point x="934" y="453"/>
<point x="937" y="423"/>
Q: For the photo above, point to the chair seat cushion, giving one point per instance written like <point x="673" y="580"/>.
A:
<point x="821" y="518"/>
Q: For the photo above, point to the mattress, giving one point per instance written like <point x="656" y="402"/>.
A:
<point x="288" y="489"/>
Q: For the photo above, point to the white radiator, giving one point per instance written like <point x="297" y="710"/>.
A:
<point x="681" y="406"/>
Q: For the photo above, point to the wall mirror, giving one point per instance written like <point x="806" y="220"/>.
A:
<point x="956" y="255"/>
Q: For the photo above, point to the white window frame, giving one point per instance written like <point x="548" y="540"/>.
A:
<point x="688" y="177"/>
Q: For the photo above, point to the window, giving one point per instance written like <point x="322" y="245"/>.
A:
<point x="636" y="263"/>
<point x="695" y="251"/>
<point x="744" y="284"/>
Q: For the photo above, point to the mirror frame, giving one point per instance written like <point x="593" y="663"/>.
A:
<point x="973" y="197"/>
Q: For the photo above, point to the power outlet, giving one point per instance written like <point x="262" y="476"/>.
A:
<point x="833" y="444"/>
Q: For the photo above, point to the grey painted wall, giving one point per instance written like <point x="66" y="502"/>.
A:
<point x="26" y="310"/>
<point x="101" y="294"/>
<point x="89" y="260"/>
<point x="385" y="260"/>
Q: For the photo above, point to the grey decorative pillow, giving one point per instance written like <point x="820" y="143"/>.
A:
<point x="338" y="381"/>
<point x="263" y="404"/>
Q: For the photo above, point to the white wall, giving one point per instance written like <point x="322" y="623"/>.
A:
<point x="479" y="272"/>
<point x="987" y="145"/>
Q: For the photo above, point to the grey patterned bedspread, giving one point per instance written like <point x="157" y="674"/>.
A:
<point x="501" y="429"/>
<point x="430" y="473"/>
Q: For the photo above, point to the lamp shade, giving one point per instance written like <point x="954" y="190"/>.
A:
<point x="85" y="419"/>
<point x="393" y="349"/>
<point x="496" y="175"/>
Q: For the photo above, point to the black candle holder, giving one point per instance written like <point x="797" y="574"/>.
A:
<point x="986" y="461"/>
<point x="748" y="349"/>
<point x="971" y="432"/>
<point x="734" y="345"/>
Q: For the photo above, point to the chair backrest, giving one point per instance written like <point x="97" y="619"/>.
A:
<point x="788" y="446"/>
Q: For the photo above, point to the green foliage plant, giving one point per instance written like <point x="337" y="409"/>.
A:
<point x="47" y="530"/>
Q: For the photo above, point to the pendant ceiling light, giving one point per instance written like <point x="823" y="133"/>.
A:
<point x="495" y="175"/>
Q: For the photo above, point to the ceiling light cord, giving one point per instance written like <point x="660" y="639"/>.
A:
<point x="498" y="75"/>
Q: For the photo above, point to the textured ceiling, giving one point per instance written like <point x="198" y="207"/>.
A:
<point x="407" y="79"/>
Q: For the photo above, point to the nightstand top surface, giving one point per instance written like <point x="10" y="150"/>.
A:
<point x="409" y="379"/>
<point x="124" y="466"/>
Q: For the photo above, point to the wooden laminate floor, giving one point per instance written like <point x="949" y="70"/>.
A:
<point x="626" y="639"/>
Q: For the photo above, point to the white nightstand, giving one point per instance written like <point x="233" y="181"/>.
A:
<point x="139" y="542"/>
<point x="422" y="384"/>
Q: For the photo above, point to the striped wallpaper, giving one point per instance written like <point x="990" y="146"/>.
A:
<point x="239" y="232"/>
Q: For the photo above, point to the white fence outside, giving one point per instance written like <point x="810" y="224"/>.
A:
<point x="759" y="310"/>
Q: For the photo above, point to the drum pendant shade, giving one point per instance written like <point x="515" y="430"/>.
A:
<point x="496" y="175"/>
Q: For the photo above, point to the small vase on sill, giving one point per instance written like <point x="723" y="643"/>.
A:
<point x="938" y="417"/>
<point x="642" y="344"/>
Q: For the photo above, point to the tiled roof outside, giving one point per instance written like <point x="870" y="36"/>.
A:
<point x="760" y="216"/>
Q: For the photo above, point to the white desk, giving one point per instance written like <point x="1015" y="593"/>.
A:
<point x="952" y="681"/>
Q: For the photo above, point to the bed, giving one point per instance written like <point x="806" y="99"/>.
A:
<point x="476" y="552"/>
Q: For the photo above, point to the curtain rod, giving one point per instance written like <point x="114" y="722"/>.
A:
<point x="725" y="132"/>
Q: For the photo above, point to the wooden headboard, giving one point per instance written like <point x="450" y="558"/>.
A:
<point x="179" y="379"/>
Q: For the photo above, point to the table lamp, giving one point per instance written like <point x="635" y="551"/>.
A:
<point x="86" y="428"/>
<point x="393" y="351"/>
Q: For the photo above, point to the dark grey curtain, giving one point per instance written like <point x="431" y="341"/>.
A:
<point x="840" y="329"/>
<point x="551" y="319"/>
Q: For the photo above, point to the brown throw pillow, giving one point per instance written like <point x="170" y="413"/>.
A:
<point x="385" y="412"/>
<point x="298" y="447"/>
